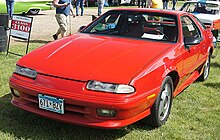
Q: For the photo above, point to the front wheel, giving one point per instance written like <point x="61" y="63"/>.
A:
<point x="161" y="108"/>
<point x="215" y="34"/>
<point x="206" y="69"/>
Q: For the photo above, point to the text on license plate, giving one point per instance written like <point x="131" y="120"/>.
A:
<point x="51" y="103"/>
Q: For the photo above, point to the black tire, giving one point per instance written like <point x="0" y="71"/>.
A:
<point x="161" y="108"/>
<point x="33" y="11"/>
<point x="206" y="69"/>
<point x="215" y="34"/>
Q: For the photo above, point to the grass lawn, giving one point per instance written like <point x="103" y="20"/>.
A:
<point x="195" y="114"/>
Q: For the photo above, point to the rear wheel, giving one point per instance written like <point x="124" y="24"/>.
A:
<point x="161" y="108"/>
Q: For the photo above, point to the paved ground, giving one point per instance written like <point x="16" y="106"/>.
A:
<point x="45" y="25"/>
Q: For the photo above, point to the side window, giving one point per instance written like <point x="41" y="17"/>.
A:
<point x="202" y="24"/>
<point x="189" y="28"/>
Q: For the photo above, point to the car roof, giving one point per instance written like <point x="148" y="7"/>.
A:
<point x="172" y="12"/>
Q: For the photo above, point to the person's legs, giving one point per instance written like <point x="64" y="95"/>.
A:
<point x="62" y="22"/>
<point x="12" y="8"/>
<point x="100" y="6"/>
<point x="77" y="7"/>
<point x="165" y="4"/>
<point x="145" y="3"/>
<point x="64" y="25"/>
<point x="174" y="4"/>
<point x="139" y="3"/>
<point x="82" y="7"/>
<point x="142" y="3"/>
<point x="8" y="8"/>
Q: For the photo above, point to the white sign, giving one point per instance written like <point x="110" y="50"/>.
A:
<point x="21" y="27"/>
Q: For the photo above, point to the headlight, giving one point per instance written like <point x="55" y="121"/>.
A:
<point x="26" y="72"/>
<point x="109" y="87"/>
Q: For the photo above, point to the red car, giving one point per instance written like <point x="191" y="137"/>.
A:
<point x="125" y="66"/>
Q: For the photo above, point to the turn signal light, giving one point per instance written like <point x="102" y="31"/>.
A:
<point x="15" y="92"/>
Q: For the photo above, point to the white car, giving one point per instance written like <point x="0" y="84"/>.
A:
<point x="207" y="12"/>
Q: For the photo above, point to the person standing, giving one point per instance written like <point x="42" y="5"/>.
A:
<point x="100" y="6"/>
<point x="79" y="3"/>
<point x="143" y="3"/>
<point x="63" y="9"/>
<point x="174" y="4"/>
<point x="165" y="4"/>
<point x="155" y="4"/>
<point x="139" y="3"/>
<point x="10" y="7"/>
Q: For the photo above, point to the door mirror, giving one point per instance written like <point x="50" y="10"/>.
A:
<point x="188" y="41"/>
<point x="80" y="28"/>
<point x="208" y="26"/>
<point x="192" y="40"/>
<point x="93" y="17"/>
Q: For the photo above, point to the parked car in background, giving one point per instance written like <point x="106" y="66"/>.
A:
<point x="89" y="3"/>
<point x="207" y="12"/>
<point x="27" y="6"/>
<point x="125" y="66"/>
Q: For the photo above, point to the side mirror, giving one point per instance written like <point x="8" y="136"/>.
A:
<point x="191" y="41"/>
<point x="93" y="17"/>
<point x="208" y="26"/>
<point x="80" y="28"/>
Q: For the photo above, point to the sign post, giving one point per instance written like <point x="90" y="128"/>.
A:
<point x="21" y="29"/>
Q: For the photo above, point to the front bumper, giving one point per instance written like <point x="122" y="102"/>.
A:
<point x="80" y="105"/>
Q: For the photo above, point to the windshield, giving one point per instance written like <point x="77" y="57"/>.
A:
<point x="201" y="7"/>
<point x="133" y="24"/>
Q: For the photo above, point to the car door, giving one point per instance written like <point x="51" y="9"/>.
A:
<point x="190" y="53"/>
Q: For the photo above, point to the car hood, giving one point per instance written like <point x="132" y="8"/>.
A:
<point x="206" y="18"/>
<point x="92" y="57"/>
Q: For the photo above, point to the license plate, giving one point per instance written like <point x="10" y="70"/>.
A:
<point x="51" y="103"/>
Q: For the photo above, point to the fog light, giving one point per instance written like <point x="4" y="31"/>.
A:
<point x="15" y="92"/>
<point x="106" y="112"/>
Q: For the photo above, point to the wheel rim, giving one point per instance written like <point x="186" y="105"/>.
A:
<point x="165" y="100"/>
<point x="34" y="11"/>
<point x="206" y="69"/>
